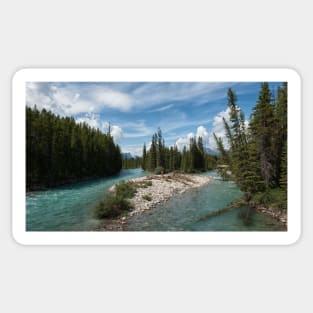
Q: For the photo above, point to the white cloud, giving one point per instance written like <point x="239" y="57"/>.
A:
<point x="184" y="141"/>
<point x="218" y="129"/>
<point x="207" y="136"/>
<point x="66" y="100"/>
<point x="93" y="120"/>
<point x="202" y="132"/>
<point x="116" y="131"/>
<point x="113" y="99"/>
<point x="137" y="129"/>
<point x="153" y="94"/>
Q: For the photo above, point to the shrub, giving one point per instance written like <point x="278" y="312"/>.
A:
<point x="126" y="190"/>
<point x="159" y="170"/>
<point x="112" y="206"/>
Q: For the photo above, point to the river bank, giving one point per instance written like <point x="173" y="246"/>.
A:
<point x="279" y="215"/>
<point x="153" y="191"/>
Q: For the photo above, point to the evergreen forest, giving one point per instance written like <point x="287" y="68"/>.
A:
<point x="161" y="159"/>
<point x="59" y="151"/>
<point x="255" y="156"/>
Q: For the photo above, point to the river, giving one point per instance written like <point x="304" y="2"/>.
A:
<point x="69" y="208"/>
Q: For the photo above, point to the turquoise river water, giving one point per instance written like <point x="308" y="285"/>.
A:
<point x="69" y="208"/>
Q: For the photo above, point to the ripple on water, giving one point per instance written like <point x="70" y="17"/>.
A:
<point x="184" y="212"/>
<point x="69" y="207"/>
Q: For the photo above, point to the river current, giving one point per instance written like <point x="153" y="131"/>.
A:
<point x="69" y="208"/>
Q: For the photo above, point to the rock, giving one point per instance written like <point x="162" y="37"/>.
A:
<point x="112" y="188"/>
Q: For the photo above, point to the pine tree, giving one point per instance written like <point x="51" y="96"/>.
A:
<point x="144" y="157"/>
<point x="280" y="131"/>
<point x="153" y="154"/>
<point x="184" y="160"/>
<point x="160" y="149"/>
<point x="261" y="126"/>
<point x="201" y="154"/>
<point x="58" y="150"/>
<point x="283" y="168"/>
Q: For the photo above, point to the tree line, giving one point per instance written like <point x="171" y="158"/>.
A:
<point x="130" y="163"/>
<point x="58" y="150"/>
<point x="161" y="159"/>
<point x="256" y="155"/>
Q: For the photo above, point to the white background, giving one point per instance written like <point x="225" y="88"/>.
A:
<point x="161" y="33"/>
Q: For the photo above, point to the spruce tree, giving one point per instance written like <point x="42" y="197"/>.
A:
<point x="280" y="130"/>
<point x="144" y="157"/>
<point x="261" y="126"/>
<point x="283" y="168"/>
<point x="153" y="154"/>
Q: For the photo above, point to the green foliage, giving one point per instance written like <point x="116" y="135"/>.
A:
<point x="283" y="168"/>
<point x="274" y="198"/>
<point x="144" y="157"/>
<point x="132" y="163"/>
<point x="257" y="156"/>
<point x="112" y="206"/>
<point x="210" y="162"/>
<point x="262" y="127"/>
<point x="152" y="156"/>
<point x="161" y="159"/>
<point x="159" y="170"/>
<point x="116" y="203"/>
<point x="126" y="189"/>
<point x="58" y="150"/>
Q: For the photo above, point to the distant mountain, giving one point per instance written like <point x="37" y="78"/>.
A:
<point x="126" y="155"/>
<point x="210" y="151"/>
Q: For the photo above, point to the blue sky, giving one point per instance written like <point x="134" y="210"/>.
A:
<point x="136" y="109"/>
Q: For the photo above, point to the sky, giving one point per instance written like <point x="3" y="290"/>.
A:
<point x="135" y="110"/>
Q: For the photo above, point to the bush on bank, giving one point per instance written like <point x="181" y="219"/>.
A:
<point x="116" y="203"/>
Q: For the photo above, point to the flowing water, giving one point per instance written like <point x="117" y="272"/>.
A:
<point x="184" y="212"/>
<point x="70" y="208"/>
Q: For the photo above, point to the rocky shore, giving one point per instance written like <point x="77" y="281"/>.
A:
<point x="279" y="215"/>
<point x="154" y="190"/>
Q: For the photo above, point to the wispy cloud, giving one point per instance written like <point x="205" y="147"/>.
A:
<point x="137" y="129"/>
<point x="162" y="108"/>
<point x="75" y="98"/>
<point x="154" y="94"/>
